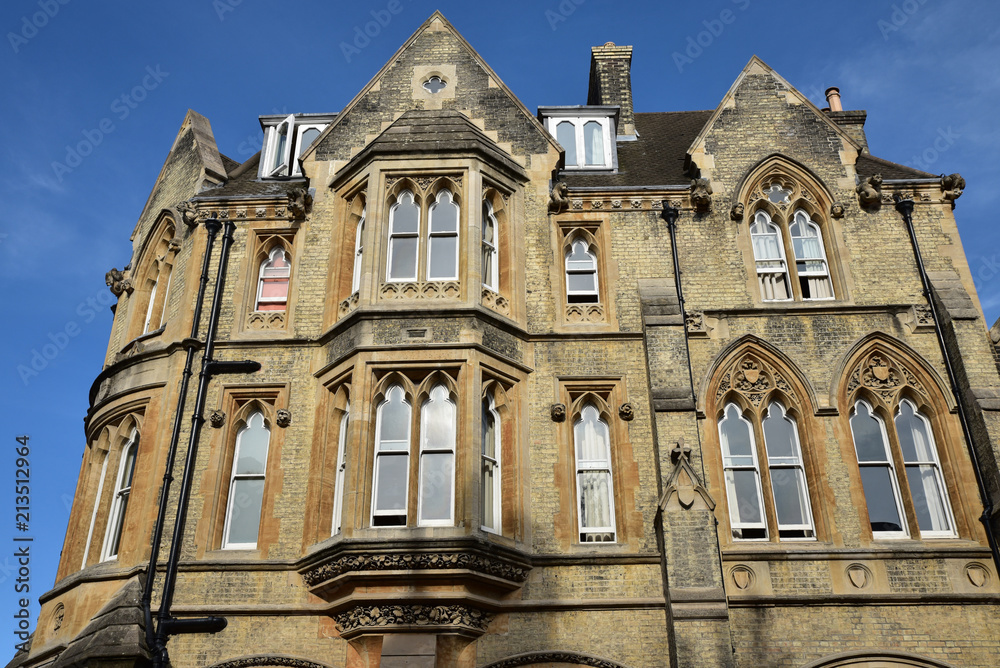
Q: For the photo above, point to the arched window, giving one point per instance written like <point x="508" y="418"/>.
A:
<point x="593" y="142"/>
<point x="810" y="258"/>
<point x="442" y="263"/>
<point x="338" y="485"/>
<point x="787" y="473"/>
<point x="150" y="309"/>
<point x="923" y="472"/>
<point x="272" y="281"/>
<point x="491" y="259"/>
<point x="392" y="458"/>
<point x="404" y="238"/>
<point x="436" y="505"/>
<point x="155" y="277"/>
<point x="246" y="484"/>
<point x="594" y="486"/>
<point x="878" y="472"/>
<point x="119" y="503"/>
<point x="359" y="248"/>
<point x="491" y="481"/>
<point x="739" y="460"/>
<point x="769" y="256"/>
<point x="581" y="274"/>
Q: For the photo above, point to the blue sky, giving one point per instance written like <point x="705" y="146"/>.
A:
<point x="927" y="71"/>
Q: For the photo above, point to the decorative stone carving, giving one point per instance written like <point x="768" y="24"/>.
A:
<point x="189" y="213"/>
<point x="597" y="204"/>
<point x="952" y="185"/>
<point x="859" y="576"/>
<point x="626" y="412"/>
<point x="743" y="577"/>
<point x="421" y="290"/>
<point x="416" y="561"/>
<point x="701" y="194"/>
<point x="736" y="213"/>
<point x="616" y="204"/>
<point x="978" y="574"/>
<point x="870" y="192"/>
<point x="299" y="200"/>
<point x="117" y="282"/>
<point x="554" y="658"/>
<point x="260" y="320"/>
<point x="578" y="313"/>
<point x="241" y="212"/>
<point x="694" y="321"/>
<point x="268" y="660"/>
<point x="224" y="214"/>
<point x="559" y="197"/>
<point x="923" y="316"/>
<point x="260" y="211"/>
<point x="279" y="212"/>
<point x="684" y="484"/>
<point x="57" y="617"/>
<point x="837" y="210"/>
<point x="753" y="378"/>
<point x="131" y="350"/>
<point x="217" y="419"/>
<point x="495" y="301"/>
<point x="577" y="204"/>
<point x="424" y="182"/>
<point x="283" y="417"/>
<point x="349" y="304"/>
<point x="558" y="412"/>
<point x="365" y="617"/>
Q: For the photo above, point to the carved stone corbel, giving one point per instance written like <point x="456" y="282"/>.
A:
<point x="559" y="197"/>
<point x="953" y="185"/>
<point x="217" y="419"/>
<point x="837" y="210"/>
<point x="736" y="213"/>
<point x="626" y="412"/>
<point x="117" y="283"/>
<point x="870" y="192"/>
<point x="684" y="484"/>
<point x="283" y="417"/>
<point x="701" y="194"/>
<point x="189" y="213"/>
<point x="558" y="412"/>
<point x="299" y="200"/>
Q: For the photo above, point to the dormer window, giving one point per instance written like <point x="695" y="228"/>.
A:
<point x="587" y="134"/>
<point x="286" y="139"/>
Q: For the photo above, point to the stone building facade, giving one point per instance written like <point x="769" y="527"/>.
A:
<point x="493" y="428"/>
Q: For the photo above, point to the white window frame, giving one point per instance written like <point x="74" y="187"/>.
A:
<point x="491" y="282"/>
<point x="494" y="464"/>
<point x="727" y="465"/>
<point x="578" y="124"/>
<point x="596" y="292"/>
<point x="97" y="506"/>
<point x="936" y="463"/>
<point x="119" y="502"/>
<point x="300" y="130"/>
<point x="590" y="466"/>
<point x="436" y="449"/>
<point x="379" y="454"/>
<point x="150" y="307"/>
<point x="260" y="279"/>
<point x="780" y="259"/>
<point x="433" y="235"/>
<point x="275" y="163"/>
<point x="393" y="235"/>
<point x="799" y="465"/>
<point x="338" y="482"/>
<point x="234" y="476"/>
<point x="359" y="249"/>
<point x="810" y="223"/>
<point x="893" y="477"/>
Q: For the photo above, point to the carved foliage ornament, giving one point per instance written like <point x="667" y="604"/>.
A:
<point x="378" y="616"/>
<point x="556" y="657"/>
<point x="753" y="378"/>
<point x="268" y="660"/>
<point x="418" y="561"/>
<point x="884" y="376"/>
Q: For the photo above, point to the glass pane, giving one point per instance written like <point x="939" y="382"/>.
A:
<point x="279" y="151"/>
<point x="566" y="136"/>
<point x="438" y="421"/>
<point x="592" y="436"/>
<point x="129" y="469"/>
<point x="595" y="499"/>
<point x="274" y="289"/>
<point x="251" y="446"/>
<point x="489" y="433"/>
<point x="880" y="498"/>
<point x="390" y="482"/>
<point x="394" y="425"/>
<point x="444" y="258"/>
<point x="405" y="216"/>
<point x="928" y="498"/>
<point x="119" y="520"/>
<point x="582" y="282"/>
<point x="488" y="500"/>
<point x="593" y="141"/>
<point x="437" y="477"/>
<point x="581" y="257"/>
<point x="868" y="438"/>
<point x="765" y="247"/>
<point x="244" y="513"/>
<point x="914" y="437"/>
<point x="736" y="439"/>
<point x="488" y="267"/>
<point x="403" y="258"/>
<point x="806" y="248"/>
<point x="308" y="137"/>
<point x="812" y="267"/>
<point x="488" y="224"/>
<point x="789" y="496"/>
<point x="444" y="214"/>
<point x="744" y="498"/>
<point x="779" y="435"/>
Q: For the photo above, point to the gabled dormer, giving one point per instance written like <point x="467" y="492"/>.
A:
<point x="285" y="139"/>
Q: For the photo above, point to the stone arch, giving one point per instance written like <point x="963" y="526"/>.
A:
<point x="780" y="167"/>
<point x="555" y="657"/>
<point x="867" y="659"/>
<point x="268" y="660"/>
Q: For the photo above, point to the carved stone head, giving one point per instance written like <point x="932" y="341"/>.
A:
<point x="189" y="214"/>
<point x="701" y="194"/>
<point x="283" y="417"/>
<point x="736" y="213"/>
<point x="837" y="210"/>
<point x="217" y="419"/>
<point x="558" y="412"/>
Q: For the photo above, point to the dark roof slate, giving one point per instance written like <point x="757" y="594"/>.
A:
<point x="229" y="163"/>
<point x="115" y="633"/>
<point x="246" y="184"/>
<point x="869" y="164"/>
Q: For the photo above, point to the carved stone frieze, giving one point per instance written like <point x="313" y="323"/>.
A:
<point x="556" y="658"/>
<point x="421" y="561"/>
<point x="495" y="301"/>
<point x="223" y="214"/>
<point x="577" y="204"/>
<point x="371" y="617"/>
<point x="636" y="203"/>
<point x="260" y="211"/>
<point x="576" y="313"/>
<point x="597" y="204"/>
<point x="118" y="283"/>
<point x="616" y="204"/>
<point x="421" y="290"/>
<point x="241" y="212"/>
<point x="261" y="320"/>
<point x="283" y="417"/>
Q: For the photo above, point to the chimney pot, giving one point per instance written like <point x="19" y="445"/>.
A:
<point x="833" y="99"/>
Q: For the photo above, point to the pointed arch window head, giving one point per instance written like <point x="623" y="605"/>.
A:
<point x="789" y="489"/>
<point x="491" y="256"/>
<point x="810" y="258"/>
<point x="338" y="485"/>
<point x="878" y="473"/>
<point x="742" y="473"/>
<point x="581" y="274"/>
<point x="119" y="503"/>
<point x="246" y="487"/>
<point x="923" y="472"/>
<point x="359" y="235"/>
<point x="769" y="256"/>
<point x="442" y="263"/>
<point x="594" y="485"/>
<point x="392" y="459"/>
<point x="272" y="282"/>
<point x="404" y="238"/>
<point x="436" y="506"/>
<point x="491" y="481"/>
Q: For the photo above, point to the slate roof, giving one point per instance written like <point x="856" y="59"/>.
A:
<point x="116" y="633"/>
<point x="243" y="182"/>
<point x="869" y="164"/>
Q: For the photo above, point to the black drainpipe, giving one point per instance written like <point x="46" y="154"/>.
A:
<point x="905" y="208"/>
<point x="167" y="625"/>
<point x="212" y="226"/>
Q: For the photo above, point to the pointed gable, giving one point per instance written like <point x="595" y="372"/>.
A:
<point x="436" y="49"/>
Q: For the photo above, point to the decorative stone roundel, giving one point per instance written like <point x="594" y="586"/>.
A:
<point x="978" y="574"/>
<point x="743" y="577"/>
<point x="859" y="575"/>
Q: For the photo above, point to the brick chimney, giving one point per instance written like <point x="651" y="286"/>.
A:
<point x="611" y="82"/>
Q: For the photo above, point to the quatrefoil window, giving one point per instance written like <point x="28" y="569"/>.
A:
<point x="778" y="195"/>
<point x="435" y="85"/>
